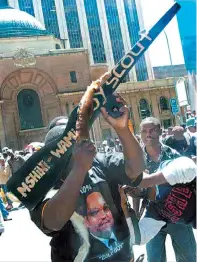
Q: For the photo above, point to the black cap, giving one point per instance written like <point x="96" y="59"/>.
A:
<point x="56" y="128"/>
<point x="54" y="133"/>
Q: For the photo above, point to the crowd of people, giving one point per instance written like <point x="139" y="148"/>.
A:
<point x="181" y="138"/>
<point x="88" y="220"/>
<point x="10" y="162"/>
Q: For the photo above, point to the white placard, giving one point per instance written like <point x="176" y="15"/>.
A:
<point x="181" y="93"/>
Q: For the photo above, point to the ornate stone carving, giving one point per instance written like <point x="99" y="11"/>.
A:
<point x="24" y="58"/>
<point x="43" y="83"/>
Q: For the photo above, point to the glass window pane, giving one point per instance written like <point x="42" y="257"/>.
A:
<point x="114" y="29"/>
<point x="73" y="77"/>
<point x="134" y="29"/>
<point x="27" y="6"/>
<point x="72" y="21"/>
<point x="94" y="28"/>
<point x="50" y="17"/>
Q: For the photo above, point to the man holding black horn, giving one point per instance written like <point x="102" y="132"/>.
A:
<point x="84" y="217"/>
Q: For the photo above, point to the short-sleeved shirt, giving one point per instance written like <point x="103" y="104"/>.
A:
<point x="192" y="146"/>
<point x="180" y="146"/>
<point x="174" y="204"/>
<point x="98" y="231"/>
<point x="167" y="153"/>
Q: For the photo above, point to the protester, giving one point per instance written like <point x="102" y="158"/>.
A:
<point x="4" y="152"/>
<point x="15" y="162"/>
<point x="1" y="224"/>
<point x="192" y="134"/>
<point x="105" y="146"/>
<point x="118" y="146"/>
<point x="71" y="232"/>
<point x="5" y="173"/>
<point x="178" y="141"/>
<point x="169" y="131"/>
<point x="177" y="204"/>
<point x="4" y="212"/>
<point x="191" y="125"/>
<point x="181" y="235"/>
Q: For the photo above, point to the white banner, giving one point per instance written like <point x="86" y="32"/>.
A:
<point x="181" y="92"/>
<point x="192" y="91"/>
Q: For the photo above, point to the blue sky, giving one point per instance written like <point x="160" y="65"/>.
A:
<point x="159" y="55"/>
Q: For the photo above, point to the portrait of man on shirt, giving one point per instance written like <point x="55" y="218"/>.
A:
<point x="98" y="219"/>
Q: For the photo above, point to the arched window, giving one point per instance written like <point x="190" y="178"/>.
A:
<point x="163" y="102"/>
<point x="144" y="108"/>
<point x="29" y="109"/>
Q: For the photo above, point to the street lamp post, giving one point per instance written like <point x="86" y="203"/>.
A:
<point x="169" y="52"/>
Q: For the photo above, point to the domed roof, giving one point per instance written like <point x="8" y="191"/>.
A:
<point x="16" y="23"/>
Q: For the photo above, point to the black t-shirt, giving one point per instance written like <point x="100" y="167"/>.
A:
<point x="174" y="204"/>
<point x="180" y="146"/>
<point x="97" y="231"/>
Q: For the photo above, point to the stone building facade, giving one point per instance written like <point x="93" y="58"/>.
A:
<point x="34" y="93"/>
<point x="40" y="79"/>
<point x="57" y="95"/>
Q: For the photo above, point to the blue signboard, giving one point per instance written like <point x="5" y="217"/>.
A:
<point x="174" y="106"/>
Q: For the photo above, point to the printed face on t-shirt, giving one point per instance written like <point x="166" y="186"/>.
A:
<point x="99" y="218"/>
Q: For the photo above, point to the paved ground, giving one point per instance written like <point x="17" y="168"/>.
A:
<point x="23" y="242"/>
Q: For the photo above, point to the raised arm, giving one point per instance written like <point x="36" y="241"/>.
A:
<point x="133" y="154"/>
<point x="60" y="208"/>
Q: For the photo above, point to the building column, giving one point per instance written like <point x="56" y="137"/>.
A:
<point x="13" y="3"/>
<point x="125" y="34"/>
<point x="63" y="106"/>
<point x="2" y="131"/>
<point x="105" y="32"/>
<point x="38" y="11"/>
<point x="155" y="108"/>
<point x="84" y="29"/>
<point x="62" y="21"/>
<point x="136" y="117"/>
